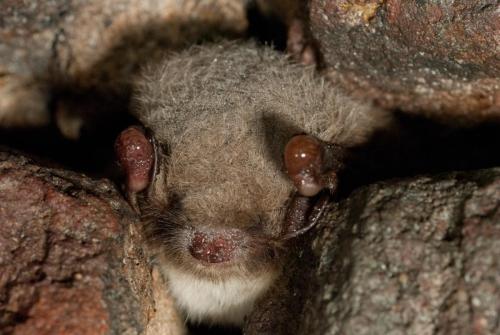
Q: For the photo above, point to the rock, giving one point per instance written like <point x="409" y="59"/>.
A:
<point x="71" y="260"/>
<point x="94" y="46"/>
<point x="412" y="256"/>
<point x="430" y="57"/>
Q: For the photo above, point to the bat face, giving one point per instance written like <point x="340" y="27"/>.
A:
<point x="233" y="131"/>
<point x="216" y="230"/>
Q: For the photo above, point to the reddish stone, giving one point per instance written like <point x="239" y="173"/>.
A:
<point x="64" y="259"/>
<point x="435" y="58"/>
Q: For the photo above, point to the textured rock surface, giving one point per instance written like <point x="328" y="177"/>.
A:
<point x="415" y="256"/>
<point x="71" y="260"/>
<point x="94" y="45"/>
<point x="439" y="58"/>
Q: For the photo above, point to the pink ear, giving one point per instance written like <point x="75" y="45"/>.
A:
<point x="135" y="154"/>
<point x="304" y="164"/>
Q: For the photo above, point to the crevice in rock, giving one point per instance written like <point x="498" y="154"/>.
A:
<point x="419" y="146"/>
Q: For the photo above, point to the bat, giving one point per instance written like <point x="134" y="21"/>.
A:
<point x="236" y="146"/>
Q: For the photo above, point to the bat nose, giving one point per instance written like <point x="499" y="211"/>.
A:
<point x="215" y="246"/>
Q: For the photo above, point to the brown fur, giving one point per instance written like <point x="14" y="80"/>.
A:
<point x="226" y="111"/>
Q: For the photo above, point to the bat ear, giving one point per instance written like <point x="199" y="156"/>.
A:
<point x="312" y="164"/>
<point x="140" y="158"/>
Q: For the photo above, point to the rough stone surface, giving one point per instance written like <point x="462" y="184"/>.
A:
<point x="71" y="260"/>
<point x="94" y="46"/>
<point x="432" y="57"/>
<point x="414" y="256"/>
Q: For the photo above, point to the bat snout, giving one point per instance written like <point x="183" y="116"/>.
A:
<point x="216" y="246"/>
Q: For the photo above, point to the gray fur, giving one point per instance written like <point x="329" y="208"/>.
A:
<point x="226" y="112"/>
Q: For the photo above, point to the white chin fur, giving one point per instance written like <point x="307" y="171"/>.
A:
<point x="224" y="302"/>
